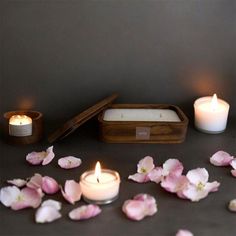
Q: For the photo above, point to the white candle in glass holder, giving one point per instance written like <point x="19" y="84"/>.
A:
<point x="211" y="114"/>
<point x="20" y="126"/>
<point x="100" y="186"/>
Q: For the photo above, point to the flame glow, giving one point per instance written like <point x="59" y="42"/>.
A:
<point x="98" y="171"/>
<point x="214" y="102"/>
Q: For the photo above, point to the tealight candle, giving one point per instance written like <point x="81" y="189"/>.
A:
<point x="100" y="186"/>
<point x="20" y="126"/>
<point x="211" y="114"/>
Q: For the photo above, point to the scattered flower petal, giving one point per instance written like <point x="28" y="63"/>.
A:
<point x="52" y="203"/>
<point x="36" y="158"/>
<point x="48" y="212"/>
<point x="145" y="165"/>
<point x="156" y="175"/>
<point x="17" y="182"/>
<point x="221" y="158"/>
<point x="35" y="182"/>
<point x="199" y="186"/>
<point x="232" y="205"/>
<point x="184" y="232"/>
<point x="72" y="191"/>
<point x="18" y="199"/>
<point x="139" y="178"/>
<point x="85" y="212"/>
<point x="141" y="206"/>
<point x="173" y="166"/>
<point x="233" y="164"/>
<point x="49" y="185"/>
<point x="69" y="162"/>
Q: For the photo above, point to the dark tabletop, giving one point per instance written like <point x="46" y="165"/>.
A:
<point x="205" y="218"/>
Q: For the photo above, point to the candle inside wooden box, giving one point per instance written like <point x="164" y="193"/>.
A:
<point x="141" y="115"/>
<point x="20" y="126"/>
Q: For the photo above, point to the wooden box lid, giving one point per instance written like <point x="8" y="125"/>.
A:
<point x="72" y="124"/>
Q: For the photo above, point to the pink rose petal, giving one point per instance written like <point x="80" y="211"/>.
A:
<point x="199" y="175"/>
<point x="8" y="195"/>
<point x="156" y="175"/>
<point x="72" y="191"/>
<point x="17" y="182"/>
<point x="221" y="158"/>
<point x="69" y="162"/>
<point x="49" y="185"/>
<point x="173" y="166"/>
<point x="143" y="205"/>
<point x="184" y="232"/>
<point x="35" y="181"/>
<point x="36" y="158"/>
<point x="139" y="178"/>
<point x="233" y="163"/>
<point x="49" y="156"/>
<point x="233" y="172"/>
<point x="48" y="212"/>
<point x="85" y="212"/>
<point x="145" y="165"/>
<point x="232" y="205"/>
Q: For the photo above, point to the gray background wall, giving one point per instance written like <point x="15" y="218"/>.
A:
<point x="60" y="56"/>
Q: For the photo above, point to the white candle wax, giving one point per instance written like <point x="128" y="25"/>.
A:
<point x="100" y="189"/>
<point x="20" y="126"/>
<point x="211" y="114"/>
<point x="165" y="115"/>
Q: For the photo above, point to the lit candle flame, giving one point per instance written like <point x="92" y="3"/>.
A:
<point x="98" y="171"/>
<point x="214" y="102"/>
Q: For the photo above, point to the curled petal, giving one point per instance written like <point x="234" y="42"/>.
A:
<point x="213" y="186"/>
<point x="17" y="182"/>
<point x="8" y="195"/>
<point x="232" y="205"/>
<point x="139" y="178"/>
<point x="145" y="165"/>
<point x="72" y="191"/>
<point x="175" y="184"/>
<point x="199" y="175"/>
<point x="221" y="158"/>
<point x="143" y="205"/>
<point x="69" y="162"/>
<point x="233" y="172"/>
<point x="49" y="185"/>
<point x="233" y="163"/>
<point x="156" y="175"/>
<point x="35" y="158"/>
<point x="28" y="198"/>
<point x="52" y="203"/>
<point x="48" y="156"/>
<point x="184" y="232"/>
<point x="46" y="214"/>
<point x="173" y="166"/>
<point x="85" y="212"/>
<point x="35" y="181"/>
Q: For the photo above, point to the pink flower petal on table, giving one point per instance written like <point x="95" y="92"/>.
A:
<point x="35" y="158"/>
<point x="85" y="212"/>
<point x="173" y="166"/>
<point x="145" y="165"/>
<point x="184" y="232"/>
<point x="28" y="198"/>
<point x="156" y="175"/>
<point x="49" y="156"/>
<point x="233" y="172"/>
<point x="72" y="191"/>
<point x="8" y="195"/>
<point x="221" y="158"/>
<point x="49" y="185"/>
<point x="143" y="205"/>
<point x="69" y="162"/>
<point x="52" y="203"/>
<point x="199" y="175"/>
<point x="139" y="178"/>
<point x="17" y="182"/>
<point x="175" y="184"/>
<point x="35" y="181"/>
<point x="232" y="205"/>
<point x="48" y="212"/>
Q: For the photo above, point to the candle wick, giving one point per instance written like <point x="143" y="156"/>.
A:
<point x="98" y="180"/>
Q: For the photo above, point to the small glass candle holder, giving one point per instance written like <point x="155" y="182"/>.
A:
<point x="100" y="190"/>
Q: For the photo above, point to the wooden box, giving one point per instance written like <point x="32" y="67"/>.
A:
<point x="164" y="124"/>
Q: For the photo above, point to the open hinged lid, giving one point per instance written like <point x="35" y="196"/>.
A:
<point x="72" y="124"/>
